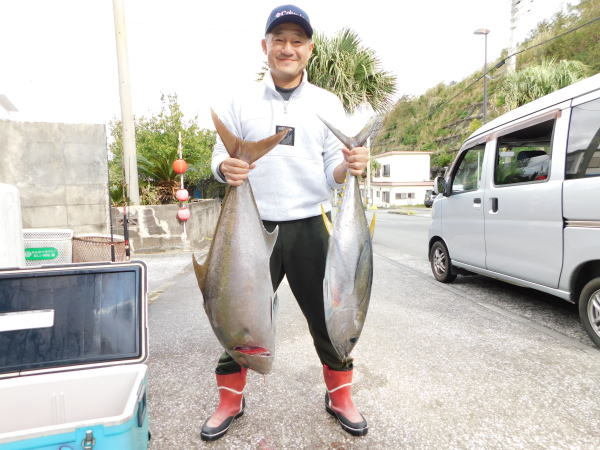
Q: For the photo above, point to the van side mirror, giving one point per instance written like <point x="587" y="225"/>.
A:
<point x="439" y="185"/>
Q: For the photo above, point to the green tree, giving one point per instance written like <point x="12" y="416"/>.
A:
<point x="156" y="143"/>
<point x="343" y="66"/>
<point x="536" y="81"/>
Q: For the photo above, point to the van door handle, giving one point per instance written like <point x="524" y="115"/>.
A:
<point x="494" y="204"/>
<point x="477" y="202"/>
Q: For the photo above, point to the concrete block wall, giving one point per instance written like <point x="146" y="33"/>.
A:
<point x="156" y="228"/>
<point x="61" y="171"/>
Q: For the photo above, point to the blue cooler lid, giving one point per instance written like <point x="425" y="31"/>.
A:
<point x="70" y="317"/>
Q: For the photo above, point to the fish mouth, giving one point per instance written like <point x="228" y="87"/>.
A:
<point x="252" y="350"/>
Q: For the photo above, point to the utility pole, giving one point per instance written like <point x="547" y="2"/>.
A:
<point x="511" y="65"/>
<point x="484" y="32"/>
<point x="129" y="151"/>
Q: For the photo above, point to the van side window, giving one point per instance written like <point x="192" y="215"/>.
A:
<point x="467" y="176"/>
<point x="583" y="148"/>
<point x="524" y="155"/>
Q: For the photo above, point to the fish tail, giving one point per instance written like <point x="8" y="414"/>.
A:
<point x="245" y="150"/>
<point x="348" y="143"/>
<point x="356" y="141"/>
<point x="200" y="270"/>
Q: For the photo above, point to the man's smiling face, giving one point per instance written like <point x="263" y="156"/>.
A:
<point x="288" y="49"/>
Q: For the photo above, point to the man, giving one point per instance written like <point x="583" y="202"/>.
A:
<point x="290" y="184"/>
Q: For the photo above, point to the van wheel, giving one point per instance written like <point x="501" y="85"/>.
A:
<point x="441" y="266"/>
<point x="589" y="309"/>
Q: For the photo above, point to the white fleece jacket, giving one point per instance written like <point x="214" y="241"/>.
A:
<point x="289" y="182"/>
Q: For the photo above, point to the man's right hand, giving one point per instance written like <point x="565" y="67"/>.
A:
<point x="235" y="170"/>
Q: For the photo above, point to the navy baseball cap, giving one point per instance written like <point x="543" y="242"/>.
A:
<point x="289" y="13"/>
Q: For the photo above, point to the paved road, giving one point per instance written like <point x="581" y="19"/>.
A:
<point x="474" y="364"/>
<point x="403" y="239"/>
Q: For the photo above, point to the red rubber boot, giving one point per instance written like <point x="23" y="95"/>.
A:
<point x="338" y="401"/>
<point x="231" y="405"/>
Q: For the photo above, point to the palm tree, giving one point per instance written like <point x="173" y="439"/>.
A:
<point x="343" y="66"/>
<point x="536" y="81"/>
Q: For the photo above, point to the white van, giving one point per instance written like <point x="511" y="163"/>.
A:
<point x="521" y="202"/>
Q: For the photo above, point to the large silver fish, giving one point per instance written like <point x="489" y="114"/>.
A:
<point x="235" y="279"/>
<point x="349" y="266"/>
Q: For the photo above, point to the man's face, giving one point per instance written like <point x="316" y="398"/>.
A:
<point x="288" y="49"/>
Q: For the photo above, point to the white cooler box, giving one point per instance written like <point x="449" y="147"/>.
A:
<point x="73" y="340"/>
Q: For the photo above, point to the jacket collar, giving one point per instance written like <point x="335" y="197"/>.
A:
<point x="270" y="84"/>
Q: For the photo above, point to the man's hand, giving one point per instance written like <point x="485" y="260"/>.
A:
<point x="355" y="161"/>
<point x="235" y="171"/>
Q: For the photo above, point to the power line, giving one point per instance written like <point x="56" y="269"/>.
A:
<point x="502" y="61"/>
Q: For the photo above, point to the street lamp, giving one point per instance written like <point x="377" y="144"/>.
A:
<point x="485" y="32"/>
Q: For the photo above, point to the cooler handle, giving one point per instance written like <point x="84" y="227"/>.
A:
<point x="26" y="320"/>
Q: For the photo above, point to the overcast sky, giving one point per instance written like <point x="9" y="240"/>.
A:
<point x="58" y="57"/>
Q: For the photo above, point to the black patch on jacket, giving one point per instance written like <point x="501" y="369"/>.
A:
<point x="289" y="138"/>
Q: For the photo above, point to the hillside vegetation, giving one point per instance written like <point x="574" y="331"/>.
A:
<point x="441" y="118"/>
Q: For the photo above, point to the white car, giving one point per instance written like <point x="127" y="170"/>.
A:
<point x="521" y="202"/>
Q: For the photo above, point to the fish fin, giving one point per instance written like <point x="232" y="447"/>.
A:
<point x="232" y="143"/>
<point x="372" y="225"/>
<point x="274" y="308"/>
<point x="348" y="142"/>
<point x="251" y="151"/>
<point x="361" y="138"/>
<point x="363" y="275"/>
<point x="271" y="238"/>
<point x="326" y="220"/>
<point x="200" y="270"/>
<point x="245" y="150"/>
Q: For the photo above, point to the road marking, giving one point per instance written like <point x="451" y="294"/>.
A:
<point x="464" y="296"/>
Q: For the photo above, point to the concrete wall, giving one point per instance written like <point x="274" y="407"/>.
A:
<point x="61" y="172"/>
<point x="156" y="228"/>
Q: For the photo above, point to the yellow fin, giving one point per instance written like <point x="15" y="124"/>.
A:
<point x="326" y="220"/>
<point x="372" y="226"/>
<point x="200" y="270"/>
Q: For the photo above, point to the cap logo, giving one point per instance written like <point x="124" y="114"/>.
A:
<point x="287" y="12"/>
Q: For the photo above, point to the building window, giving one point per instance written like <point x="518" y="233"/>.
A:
<point x="386" y="197"/>
<point x="378" y="194"/>
<point x="411" y="195"/>
<point x="386" y="170"/>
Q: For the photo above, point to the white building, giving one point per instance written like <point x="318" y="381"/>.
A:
<point x="401" y="179"/>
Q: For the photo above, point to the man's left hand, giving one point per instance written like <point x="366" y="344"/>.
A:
<point x="356" y="160"/>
